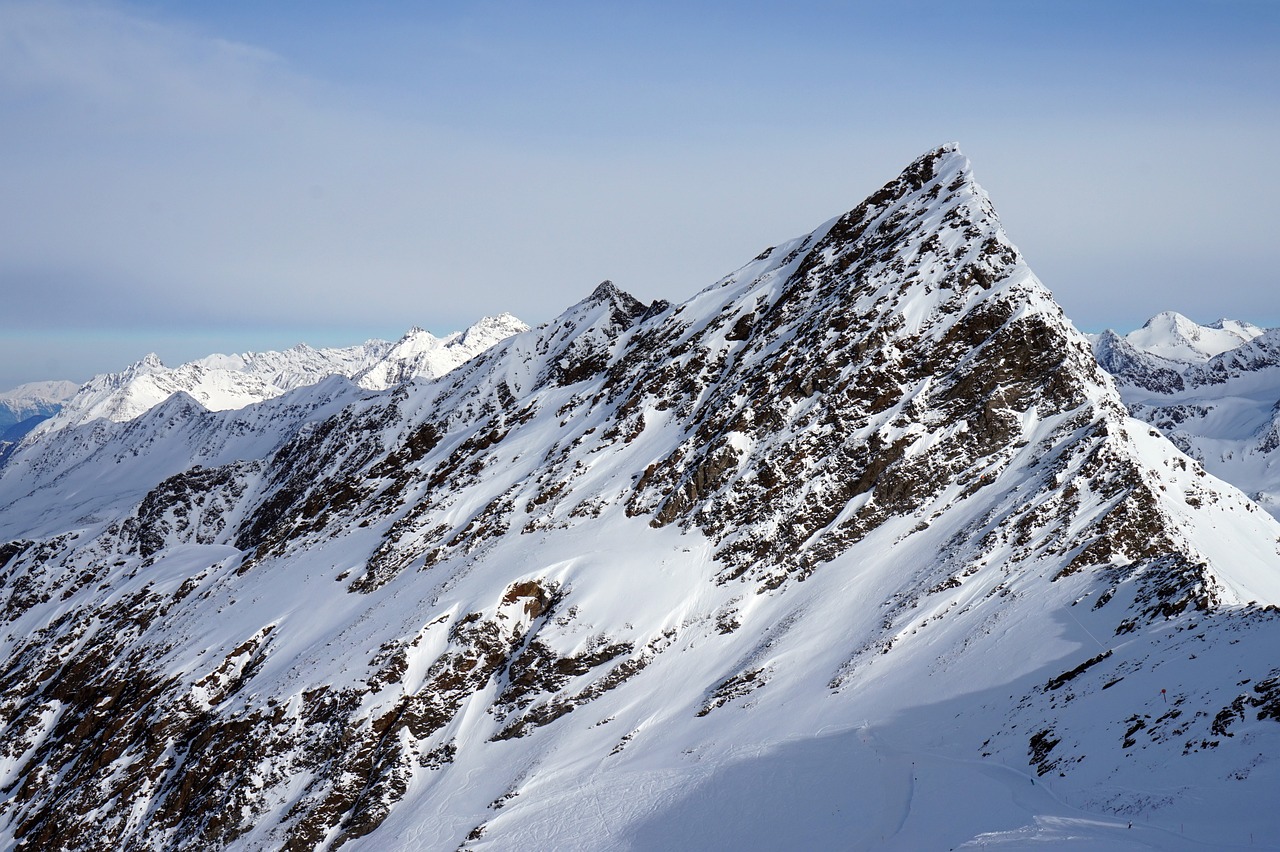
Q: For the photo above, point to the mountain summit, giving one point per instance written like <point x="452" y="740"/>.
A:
<point x="842" y="551"/>
<point x="1172" y="336"/>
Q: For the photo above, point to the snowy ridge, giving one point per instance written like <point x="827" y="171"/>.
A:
<point x="34" y="398"/>
<point x="97" y="470"/>
<point x="26" y="407"/>
<point x="421" y="355"/>
<point x="1220" y="402"/>
<point x="1172" y="336"/>
<point x="845" y="550"/>
<point x="223" y="382"/>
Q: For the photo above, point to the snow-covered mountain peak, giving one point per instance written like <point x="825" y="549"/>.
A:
<point x="23" y="408"/>
<point x="149" y="363"/>
<point x="608" y="291"/>
<point x="618" y="301"/>
<point x="1136" y="367"/>
<point x="222" y="382"/>
<point x="865" y="513"/>
<point x="927" y="245"/>
<point x="1213" y="390"/>
<point x="1243" y="330"/>
<point x="416" y="340"/>
<point x="37" y="392"/>
<point x="487" y="331"/>
<point x="422" y="355"/>
<point x="1172" y="336"/>
<point x="601" y="316"/>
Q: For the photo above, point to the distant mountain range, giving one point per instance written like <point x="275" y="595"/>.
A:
<point x="31" y="403"/>
<point x="858" y="547"/>
<point x="222" y="382"/>
<point x="1213" y="390"/>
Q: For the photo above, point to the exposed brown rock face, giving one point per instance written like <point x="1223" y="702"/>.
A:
<point x="896" y="370"/>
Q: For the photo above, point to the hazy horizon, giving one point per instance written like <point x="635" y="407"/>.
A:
<point x="190" y="180"/>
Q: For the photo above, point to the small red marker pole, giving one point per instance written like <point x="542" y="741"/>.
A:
<point x="1162" y="695"/>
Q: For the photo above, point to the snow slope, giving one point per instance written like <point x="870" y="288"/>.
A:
<point x="26" y="407"/>
<point x="1213" y="390"/>
<point x="33" y="399"/>
<point x="856" y="548"/>
<point x="1172" y="336"/>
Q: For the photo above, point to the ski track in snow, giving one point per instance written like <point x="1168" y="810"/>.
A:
<point x="1052" y="821"/>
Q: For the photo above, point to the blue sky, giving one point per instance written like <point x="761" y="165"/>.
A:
<point x="189" y="178"/>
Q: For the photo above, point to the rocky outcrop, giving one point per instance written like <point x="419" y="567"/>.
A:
<point x="365" y="607"/>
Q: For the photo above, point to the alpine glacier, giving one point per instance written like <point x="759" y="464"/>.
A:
<point x="857" y="548"/>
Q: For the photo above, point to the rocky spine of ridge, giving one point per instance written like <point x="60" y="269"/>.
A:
<point x="1132" y="366"/>
<point x="896" y="382"/>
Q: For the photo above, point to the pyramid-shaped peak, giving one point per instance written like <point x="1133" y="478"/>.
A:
<point x="1166" y="327"/>
<point x="502" y="320"/>
<point x="488" y="330"/>
<point x="928" y="232"/>
<point x="939" y="181"/>
<point x="148" y="365"/>
<point x="606" y="289"/>
<point x="622" y="302"/>
<point x="944" y="163"/>
<point x="1171" y="335"/>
